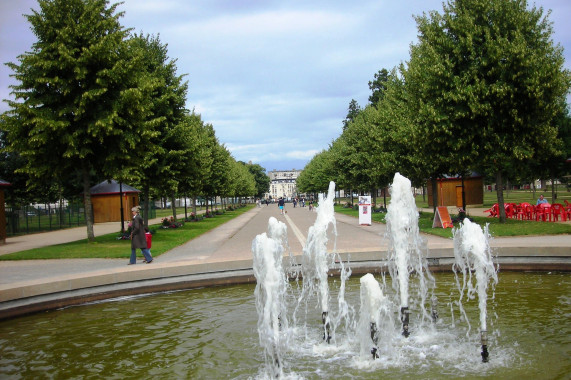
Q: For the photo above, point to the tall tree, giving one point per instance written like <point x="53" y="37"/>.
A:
<point x="197" y="158"/>
<point x="487" y="81"/>
<point x="80" y="95"/>
<point x="378" y="86"/>
<point x="260" y="177"/>
<point x="352" y="113"/>
<point x="164" y="155"/>
<point x="317" y="174"/>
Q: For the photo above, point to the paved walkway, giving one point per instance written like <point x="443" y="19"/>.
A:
<point x="227" y="249"/>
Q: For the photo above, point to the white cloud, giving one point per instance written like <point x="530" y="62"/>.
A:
<point x="303" y="154"/>
<point x="274" y="78"/>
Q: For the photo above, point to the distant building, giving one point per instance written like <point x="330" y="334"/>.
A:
<point x="283" y="184"/>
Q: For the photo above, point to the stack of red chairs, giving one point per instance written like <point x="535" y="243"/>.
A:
<point x="558" y="210"/>
<point x="525" y="210"/>
<point x="511" y="210"/>
<point x="542" y="212"/>
<point x="494" y="211"/>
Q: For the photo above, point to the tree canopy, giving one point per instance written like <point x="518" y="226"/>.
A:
<point x="483" y="90"/>
<point x="94" y="102"/>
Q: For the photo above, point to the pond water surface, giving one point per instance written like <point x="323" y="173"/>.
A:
<point x="212" y="334"/>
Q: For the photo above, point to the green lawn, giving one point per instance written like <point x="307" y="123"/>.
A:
<point x="107" y="246"/>
<point x="510" y="228"/>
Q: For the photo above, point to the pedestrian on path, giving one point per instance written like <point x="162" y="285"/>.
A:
<point x="281" y="205"/>
<point x="138" y="238"/>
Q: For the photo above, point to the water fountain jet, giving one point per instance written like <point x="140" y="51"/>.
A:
<point x="316" y="262"/>
<point x="472" y="254"/>
<point x="405" y="254"/>
<point x="271" y="286"/>
<point x="372" y="302"/>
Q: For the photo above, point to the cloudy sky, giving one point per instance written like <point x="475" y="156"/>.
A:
<point x="273" y="77"/>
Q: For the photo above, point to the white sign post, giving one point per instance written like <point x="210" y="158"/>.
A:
<point x="365" y="210"/>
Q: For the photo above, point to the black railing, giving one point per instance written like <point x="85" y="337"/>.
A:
<point x="46" y="217"/>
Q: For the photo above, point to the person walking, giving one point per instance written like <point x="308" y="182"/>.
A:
<point x="281" y="205"/>
<point x="138" y="238"/>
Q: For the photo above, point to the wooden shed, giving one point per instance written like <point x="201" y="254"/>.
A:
<point x="450" y="191"/>
<point x="106" y="201"/>
<point x="3" y="234"/>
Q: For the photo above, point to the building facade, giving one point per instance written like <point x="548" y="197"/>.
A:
<point x="283" y="184"/>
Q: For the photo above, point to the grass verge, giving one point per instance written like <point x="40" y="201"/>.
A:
<point x="108" y="247"/>
<point x="511" y="228"/>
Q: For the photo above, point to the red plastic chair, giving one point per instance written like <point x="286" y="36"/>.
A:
<point x="528" y="211"/>
<point x="558" y="210"/>
<point x="520" y="211"/>
<point x="542" y="212"/>
<point x="493" y="210"/>
<point x="511" y="211"/>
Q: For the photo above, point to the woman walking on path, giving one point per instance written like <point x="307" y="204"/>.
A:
<point x="138" y="239"/>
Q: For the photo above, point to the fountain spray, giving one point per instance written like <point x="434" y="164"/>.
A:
<point x="372" y="299"/>
<point x="405" y="254"/>
<point x="271" y="287"/>
<point x="316" y="262"/>
<point x="472" y="254"/>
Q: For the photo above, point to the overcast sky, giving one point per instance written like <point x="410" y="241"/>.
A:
<point x="274" y="77"/>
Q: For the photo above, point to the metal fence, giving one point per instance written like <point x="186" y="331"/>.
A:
<point x="44" y="217"/>
<point x="49" y="217"/>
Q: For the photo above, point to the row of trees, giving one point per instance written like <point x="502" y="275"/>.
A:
<point x="484" y="90"/>
<point x="94" y="101"/>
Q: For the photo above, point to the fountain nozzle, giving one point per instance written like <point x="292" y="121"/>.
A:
<point x="405" y="318"/>
<point x="434" y="309"/>
<point x="375" y="339"/>
<point x="484" y="340"/>
<point x="326" y="333"/>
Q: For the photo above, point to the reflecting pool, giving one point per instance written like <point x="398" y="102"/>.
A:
<point x="212" y="334"/>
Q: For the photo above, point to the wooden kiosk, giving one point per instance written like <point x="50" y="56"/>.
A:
<point x="450" y="191"/>
<point x="106" y="201"/>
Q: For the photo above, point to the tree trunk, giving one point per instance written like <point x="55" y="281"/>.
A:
<point x="87" y="204"/>
<point x="463" y="195"/>
<point x="185" y="209"/>
<point x="500" y="193"/>
<point x="146" y="205"/>
<point x="434" y="184"/>
<point x="173" y="206"/>
<point x="121" y="206"/>
<point x="553" y="191"/>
